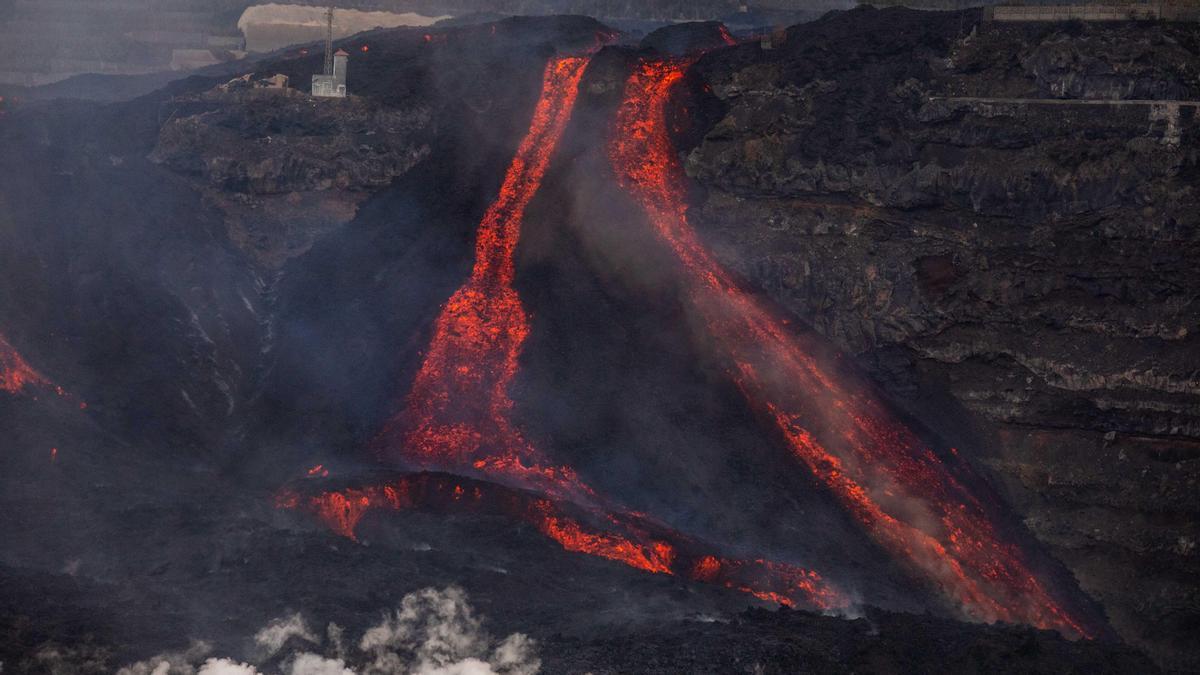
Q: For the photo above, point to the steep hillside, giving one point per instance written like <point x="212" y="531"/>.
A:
<point x="893" y="351"/>
<point x="1019" y="274"/>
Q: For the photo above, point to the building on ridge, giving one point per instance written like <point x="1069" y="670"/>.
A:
<point x="332" y="82"/>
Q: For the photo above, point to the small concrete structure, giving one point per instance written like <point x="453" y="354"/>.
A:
<point x="277" y="83"/>
<point x="333" y="85"/>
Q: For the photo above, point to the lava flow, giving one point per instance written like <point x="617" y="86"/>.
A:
<point x="726" y="36"/>
<point x="456" y="416"/>
<point x="627" y="538"/>
<point x="905" y="496"/>
<point x="16" y="374"/>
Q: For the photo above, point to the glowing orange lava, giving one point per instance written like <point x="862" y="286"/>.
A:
<point x="15" y="374"/>
<point x="897" y="488"/>
<point x="653" y="557"/>
<point x="625" y="538"/>
<point x="727" y="37"/>
<point x="456" y="416"/>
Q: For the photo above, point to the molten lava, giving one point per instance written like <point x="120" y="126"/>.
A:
<point x="726" y="36"/>
<point x="901" y="492"/>
<point x="456" y="416"/>
<point x="15" y="374"/>
<point x="626" y="538"/>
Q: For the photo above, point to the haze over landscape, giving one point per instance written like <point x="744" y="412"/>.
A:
<point x="592" y="336"/>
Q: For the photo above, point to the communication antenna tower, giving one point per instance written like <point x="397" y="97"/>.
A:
<point x="329" y="40"/>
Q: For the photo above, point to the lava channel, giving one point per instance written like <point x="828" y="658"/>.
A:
<point x="627" y="538"/>
<point x="896" y="487"/>
<point x="457" y="415"/>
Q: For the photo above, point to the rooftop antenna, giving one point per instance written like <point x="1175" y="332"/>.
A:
<point x="329" y="40"/>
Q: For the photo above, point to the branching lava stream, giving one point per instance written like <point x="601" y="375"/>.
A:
<point x="893" y="484"/>
<point x="457" y="415"/>
<point x="626" y="538"/>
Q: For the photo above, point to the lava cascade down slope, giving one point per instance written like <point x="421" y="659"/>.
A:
<point x="907" y="497"/>
<point x="457" y="414"/>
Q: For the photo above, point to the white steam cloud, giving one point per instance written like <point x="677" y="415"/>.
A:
<point x="226" y="667"/>
<point x="433" y="632"/>
<point x="275" y="634"/>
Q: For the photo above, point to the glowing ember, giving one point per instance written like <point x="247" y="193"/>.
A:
<point x="625" y="538"/>
<point x="15" y="374"/>
<point x="318" y="471"/>
<point x="53" y="455"/>
<point x="457" y="414"/>
<point x="727" y="37"/>
<point x="897" y="488"/>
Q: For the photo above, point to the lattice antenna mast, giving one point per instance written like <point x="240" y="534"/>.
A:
<point x="329" y="40"/>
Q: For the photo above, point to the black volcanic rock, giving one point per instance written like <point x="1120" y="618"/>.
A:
<point x="285" y="168"/>
<point x="273" y="141"/>
<point x="1019" y="279"/>
<point x="1033" y="261"/>
<point x="688" y="38"/>
<point x="786" y="642"/>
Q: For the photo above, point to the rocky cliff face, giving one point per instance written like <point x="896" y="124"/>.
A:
<point x="1017" y="276"/>
<point x="286" y="169"/>
<point x="1033" y="260"/>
